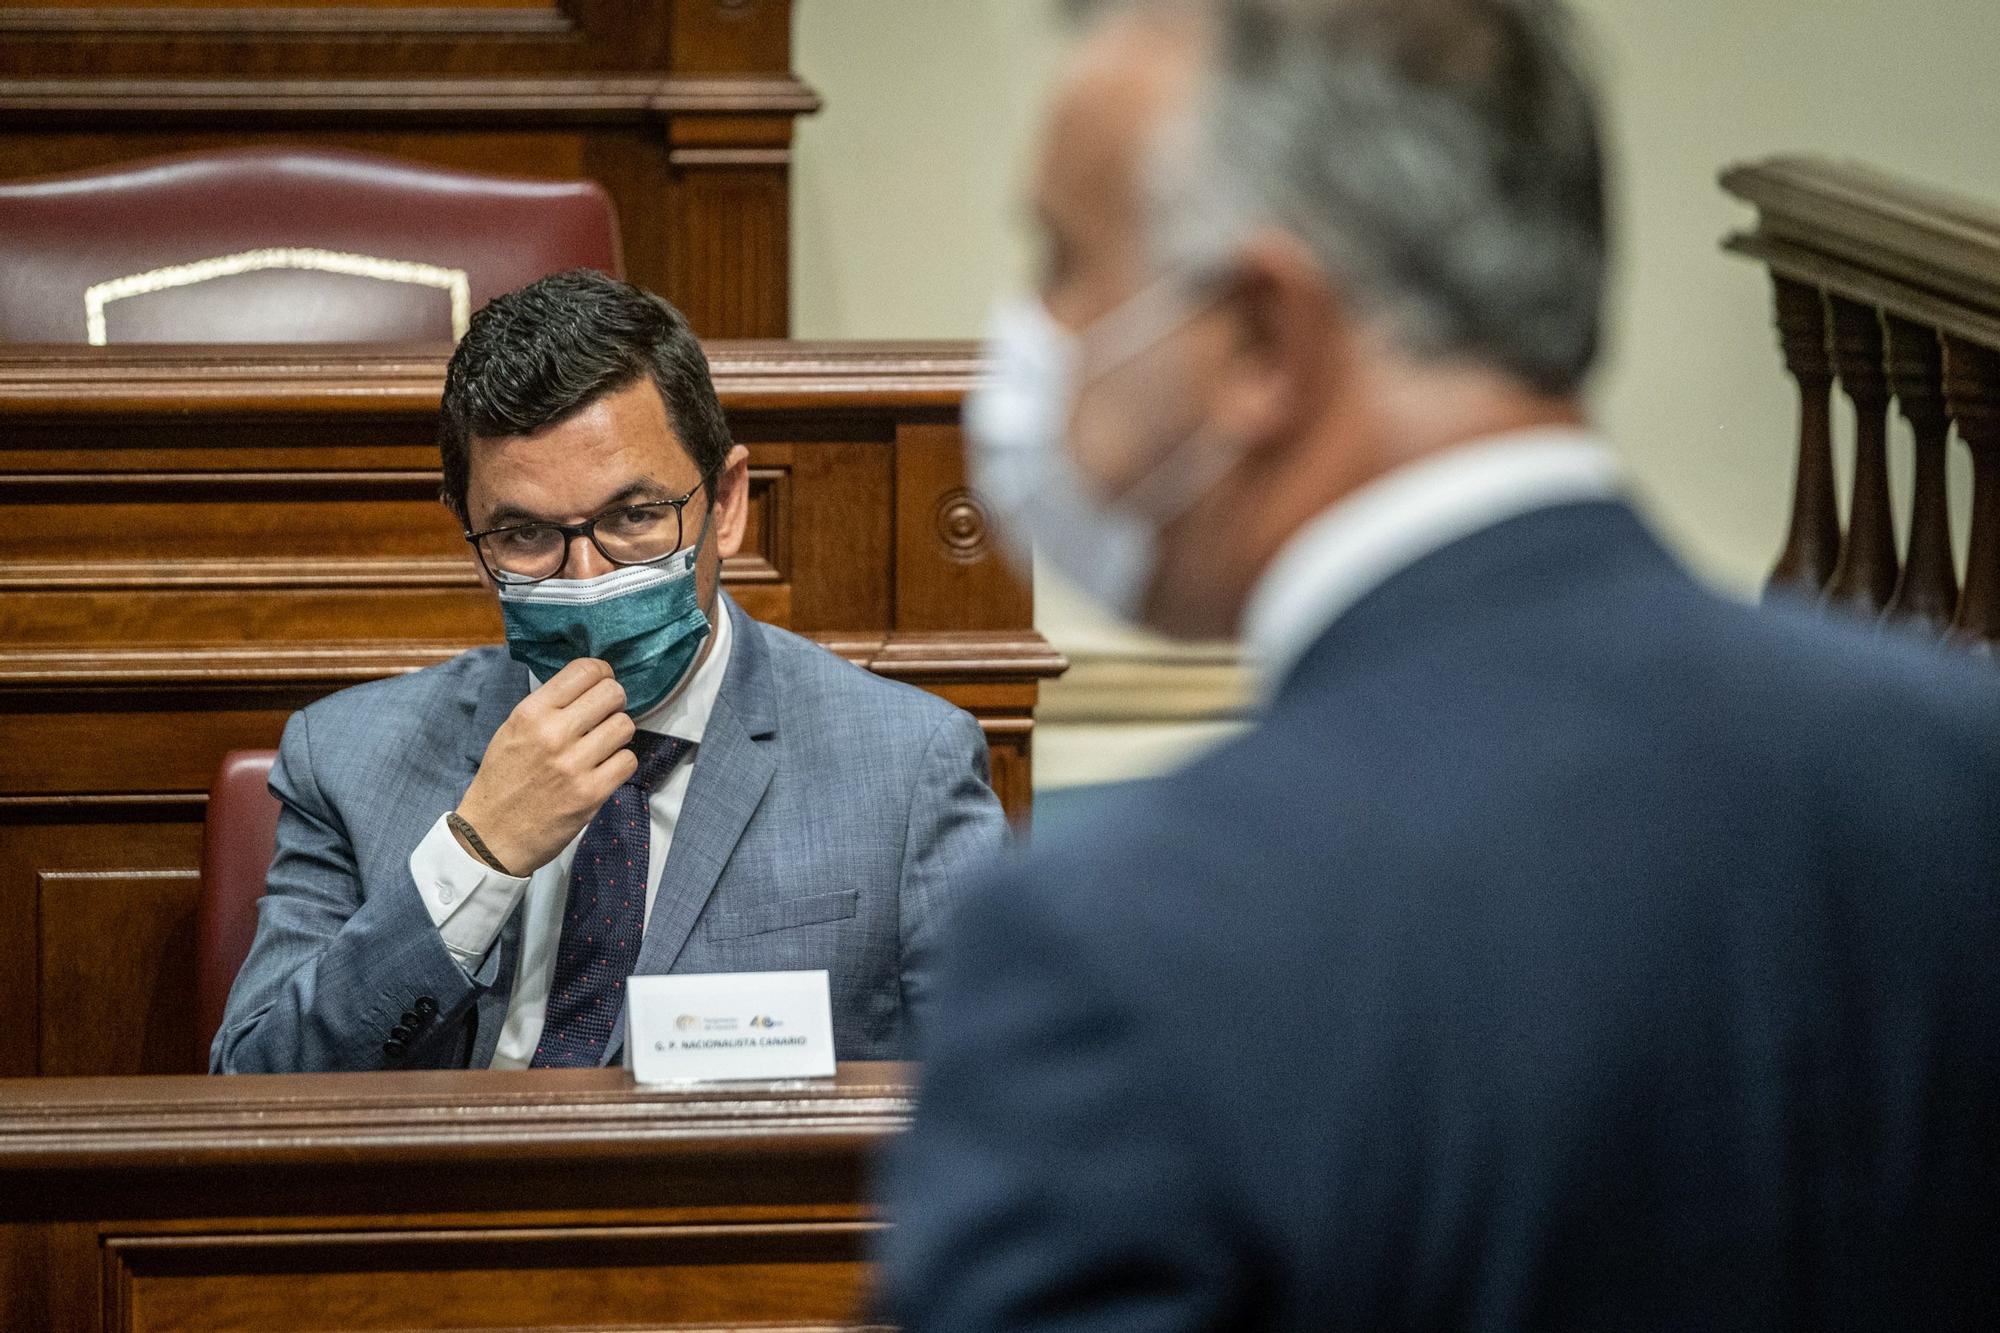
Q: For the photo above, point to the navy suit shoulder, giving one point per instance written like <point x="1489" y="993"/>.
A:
<point x="1567" y="946"/>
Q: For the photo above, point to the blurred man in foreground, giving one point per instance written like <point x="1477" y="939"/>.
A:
<point x="1568" y="947"/>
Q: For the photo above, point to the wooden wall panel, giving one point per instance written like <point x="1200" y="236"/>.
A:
<point x="703" y="1277"/>
<point x="196" y="542"/>
<point x="944" y="539"/>
<point x="117" y="955"/>
<point x="69" y="871"/>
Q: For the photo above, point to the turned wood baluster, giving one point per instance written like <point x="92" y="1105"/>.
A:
<point x="1928" y="593"/>
<point x="1812" y="546"/>
<point x="1865" y="577"/>
<point x="1972" y="386"/>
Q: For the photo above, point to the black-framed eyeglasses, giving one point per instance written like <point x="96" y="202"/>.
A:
<point x="628" y="534"/>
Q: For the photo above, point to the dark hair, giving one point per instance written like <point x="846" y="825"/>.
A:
<point x="551" y="349"/>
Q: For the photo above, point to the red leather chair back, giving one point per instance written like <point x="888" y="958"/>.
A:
<point x="269" y="245"/>
<point x="236" y="845"/>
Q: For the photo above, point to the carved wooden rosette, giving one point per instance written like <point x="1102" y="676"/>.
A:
<point x="1928" y="592"/>
<point x="1865" y="577"/>
<point x="1972" y="386"/>
<point x="1812" y="545"/>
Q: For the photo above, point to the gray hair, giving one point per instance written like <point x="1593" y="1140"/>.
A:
<point x="1440" y="158"/>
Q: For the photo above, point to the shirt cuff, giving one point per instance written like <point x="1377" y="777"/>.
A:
<point x="468" y="900"/>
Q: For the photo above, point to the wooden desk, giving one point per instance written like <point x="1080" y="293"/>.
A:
<point x="681" y="109"/>
<point x="535" y="1199"/>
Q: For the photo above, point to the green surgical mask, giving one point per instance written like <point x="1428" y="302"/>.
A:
<point x="644" y="620"/>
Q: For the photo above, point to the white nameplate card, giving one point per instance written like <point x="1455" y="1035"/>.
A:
<point x="713" y="1027"/>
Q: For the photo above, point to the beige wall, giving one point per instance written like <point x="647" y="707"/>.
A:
<point x="904" y="226"/>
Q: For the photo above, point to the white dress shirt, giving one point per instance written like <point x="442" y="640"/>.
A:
<point x="1388" y="525"/>
<point x="469" y="900"/>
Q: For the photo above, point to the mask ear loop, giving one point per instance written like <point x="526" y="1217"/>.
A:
<point x="707" y="515"/>
<point x="1173" y="484"/>
<point x="1169" y="488"/>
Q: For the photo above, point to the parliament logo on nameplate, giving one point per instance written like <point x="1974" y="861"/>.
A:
<point x="713" y="1027"/>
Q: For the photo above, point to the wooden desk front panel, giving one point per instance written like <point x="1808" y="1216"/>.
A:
<point x="797" y="1274"/>
<point x="536" y="1199"/>
<point x="191" y="550"/>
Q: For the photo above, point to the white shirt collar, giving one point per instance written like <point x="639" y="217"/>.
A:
<point x="1367" y="538"/>
<point x="685" y="712"/>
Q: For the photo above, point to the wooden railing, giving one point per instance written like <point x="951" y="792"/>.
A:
<point x="1892" y="291"/>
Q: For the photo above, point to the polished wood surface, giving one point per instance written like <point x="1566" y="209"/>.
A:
<point x="1902" y="281"/>
<point x="1972" y="387"/>
<point x="1928" y="592"/>
<point x="1865" y="576"/>
<point x="682" y="109"/>
<point x="1812" y="542"/>
<point x="194" y="542"/>
<point x="546" y="1199"/>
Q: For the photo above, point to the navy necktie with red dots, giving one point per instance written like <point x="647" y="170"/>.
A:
<point x="604" y="917"/>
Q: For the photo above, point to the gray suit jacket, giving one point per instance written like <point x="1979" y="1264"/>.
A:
<point x="831" y="821"/>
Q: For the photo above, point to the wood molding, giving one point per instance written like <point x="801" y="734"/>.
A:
<point x="1827" y="273"/>
<point x="237" y="575"/>
<point x="1929" y="255"/>
<point x="730" y="157"/>
<point x="195" y="1123"/>
<point x="55" y="383"/>
<point x="935" y="657"/>
<point x="112" y="102"/>
<point x="314" y="20"/>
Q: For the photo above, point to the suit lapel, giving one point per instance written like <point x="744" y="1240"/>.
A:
<point x="732" y="768"/>
<point x="500" y="690"/>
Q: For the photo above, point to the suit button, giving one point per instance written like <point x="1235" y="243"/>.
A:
<point x="400" y="1034"/>
<point x="410" y="1020"/>
<point x="393" y="1049"/>
<point x="426" y="1006"/>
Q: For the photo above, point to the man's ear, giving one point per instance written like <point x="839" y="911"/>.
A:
<point x="731" y="514"/>
<point x="1290" y="325"/>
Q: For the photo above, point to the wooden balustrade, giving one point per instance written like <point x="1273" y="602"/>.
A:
<point x="1928" y="592"/>
<point x="1865" y="577"/>
<point x="1812" y="547"/>
<point x="1893" y="290"/>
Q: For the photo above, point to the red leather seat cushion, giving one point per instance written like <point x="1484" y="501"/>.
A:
<point x="59" y="235"/>
<point x="236" y="846"/>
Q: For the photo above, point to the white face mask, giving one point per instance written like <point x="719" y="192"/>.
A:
<point x="1017" y="422"/>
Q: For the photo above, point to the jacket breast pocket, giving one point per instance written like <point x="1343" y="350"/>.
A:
<point x="782" y="915"/>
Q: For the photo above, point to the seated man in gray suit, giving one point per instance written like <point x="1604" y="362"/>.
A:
<point x="473" y="858"/>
